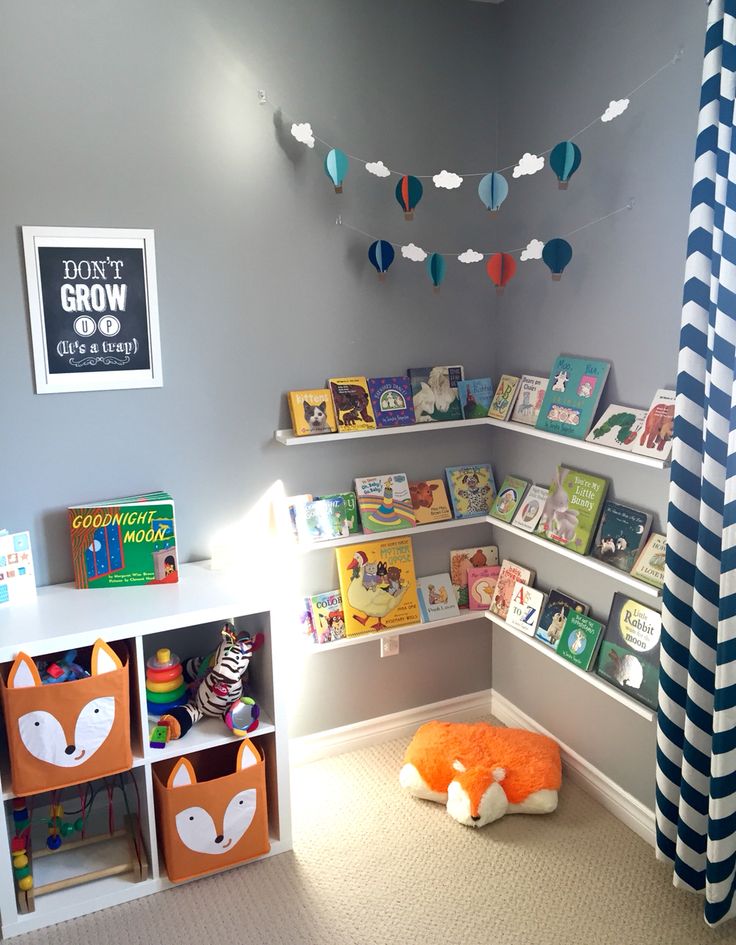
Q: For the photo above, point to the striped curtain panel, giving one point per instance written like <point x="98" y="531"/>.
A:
<point x="696" y="733"/>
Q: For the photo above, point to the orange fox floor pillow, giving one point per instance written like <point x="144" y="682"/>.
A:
<point x="482" y="771"/>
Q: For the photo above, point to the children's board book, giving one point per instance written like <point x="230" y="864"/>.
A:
<point x="378" y="585"/>
<point x="328" y="618"/>
<point x="530" y="510"/>
<point x="649" y="566"/>
<point x="352" y="403"/>
<point x="475" y="397"/>
<point x="571" y="511"/>
<point x="311" y="412"/>
<point x="17" y="574"/>
<point x="525" y="608"/>
<point x="435" y="394"/>
<point x="570" y="402"/>
<point x="392" y="401"/>
<point x="629" y="653"/>
<point x="436" y="598"/>
<point x="384" y="503"/>
<point x="581" y="637"/>
<point x="655" y="437"/>
<point x="503" y="399"/>
<point x="529" y="399"/>
<point x="509" y="575"/>
<point x="472" y="489"/>
<point x="621" y="535"/>
<point x="617" y="427"/>
<point x="509" y="498"/>
<point x="429" y="498"/>
<point x="327" y="516"/>
<point x="554" y="615"/>
<point x="296" y="505"/>
<point x="481" y="585"/>
<point x="461" y="563"/>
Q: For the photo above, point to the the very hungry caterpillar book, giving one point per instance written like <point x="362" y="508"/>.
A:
<point x="572" y="508"/>
<point x="617" y="427"/>
<point x="392" y="401"/>
<point x="574" y="389"/>
<point x="384" y="503"/>
<point x="124" y="541"/>
<point x="629" y="653"/>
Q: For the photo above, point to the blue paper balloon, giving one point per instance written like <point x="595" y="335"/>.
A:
<point x="564" y="159"/>
<point x="556" y="254"/>
<point x="493" y="190"/>
<point x="381" y="255"/>
<point x="436" y="268"/>
<point x="336" y="167"/>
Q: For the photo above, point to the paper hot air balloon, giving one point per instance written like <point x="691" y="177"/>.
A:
<point x="436" y="268"/>
<point x="336" y="167"/>
<point x="501" y="268"/>
<point x="409" y="192"/>
<point x="493" y="190"/>
<point x="564" y="159"/>
<point x="381" y="255"/>
<point x="556" y="254"/>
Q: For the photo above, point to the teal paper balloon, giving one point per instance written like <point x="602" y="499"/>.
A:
<point x="493" y="190"/>
<point x="436" y="268"/>
<point x="336" y="167"/>
<point x="557" y="254"/>
<point x="564" y="159"/>
<point x="409" y="192"/>
<point x="381" y="255"/>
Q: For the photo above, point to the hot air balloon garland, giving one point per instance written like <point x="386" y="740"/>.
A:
<point x="336" y="167"/>
<point x="409" y="192"/>
<point x="564" y="159"/>
<point x="381" y="255"/>
<point x="436" y="268"/>
<point x="501" y="268"/>
<point x="556" y="254"/>
<point x="493" y="190"/>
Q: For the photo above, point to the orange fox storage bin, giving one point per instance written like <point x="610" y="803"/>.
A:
<point x="68" y="732"/>
<point x="211" y="809"/>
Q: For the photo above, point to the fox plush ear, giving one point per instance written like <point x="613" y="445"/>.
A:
<point x="182" y="774"/>
<point x="23" y="673"/>
<point x="104" y="659"/>
<point x="247" y="755"/>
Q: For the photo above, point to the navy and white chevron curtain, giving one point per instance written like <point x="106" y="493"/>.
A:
<point x="696" y="734"/>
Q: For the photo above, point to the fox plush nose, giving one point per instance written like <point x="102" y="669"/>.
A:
<point x="219" y="838"/>
<point x="70" y="749"/>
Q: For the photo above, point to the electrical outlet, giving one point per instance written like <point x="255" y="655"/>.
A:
<point x="390" y="646"/>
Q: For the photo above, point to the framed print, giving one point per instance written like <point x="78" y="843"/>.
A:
<point x="93" y="307"/>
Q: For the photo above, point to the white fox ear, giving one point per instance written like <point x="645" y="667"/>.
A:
<point x="182" y="774"/>
<point x="498" y="774"/>
<point x="247" y="755"/>
<point x="23" y="673"/>
<point x="104" y="659"/>
<point x="458" y="765"/>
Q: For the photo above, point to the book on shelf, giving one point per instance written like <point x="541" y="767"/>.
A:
<point x="384" y="503"/>
<point x="295" y="505"/>
<point x="311" y="412"/>
<point x="378" y="585"/>
<point x="430" y="502"/>
<point x="434" y="390"/>
<point x="122" y="542"/>
<point x="17" y="574"/>
<point x="655" y="436"/>
<point x="462" y="560"/>
<point x="554" y="615"/>
<point x="510" y="573"/>
<point x="304" y="616"/>
<point x="617" y="427"/>
<point x="481" y="585"/>
<point x="621" y="535"/>
<point x="392" y="402"/>
<point x="530" y="510"/>
<point x="629" y="653"/>
<point x="472" y="489"/>
<point x="352" y="402"/>
<point x="525" y="608"/>
<point x="437" y="599"/>
<point x="580" y="639"/>
<point x="504" y="397"/>
<point x="570" y="402"/>
<point x="326" y="517"/>
<point x="328" y="618"/>
<point x="508" y="499"/>
<point x="649" y="566"/>
<point x="529" y="399"/>
<point x="475" y="397"/>
<point x="571" y="512"/>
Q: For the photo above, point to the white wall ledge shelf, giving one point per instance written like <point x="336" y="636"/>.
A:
<point x="586" y="560"/>
<point x="287" y="438"/>
<point x="306" y="547"/>
<point x="207" y="733"/>
<point x="464" y="617"/>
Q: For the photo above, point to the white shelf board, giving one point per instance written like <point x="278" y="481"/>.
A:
<point x="360" y="539"/>
<point x="614" y="573"/>
<point x="287" y="438"/>
<point x="591" y="678"/>
<point x="207" y="733"/>
<point x="8" y="793"/>
<point x="463" y="617"/>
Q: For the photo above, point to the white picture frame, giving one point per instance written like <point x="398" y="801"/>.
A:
<point x="94" y="322"/>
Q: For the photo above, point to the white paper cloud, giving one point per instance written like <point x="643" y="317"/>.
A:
<point x="615" y="109"/>
<point x="447" y="180"/>
<point x="415" y="253"/>
<point x="378" y="168"/>
<point x="528" y="164"/>
<point x="470" y="256"/>
<point x="303" y="133"/>
<point x="533" y="250"/>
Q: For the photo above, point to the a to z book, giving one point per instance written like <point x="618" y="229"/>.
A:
<point x="124" y="542"/>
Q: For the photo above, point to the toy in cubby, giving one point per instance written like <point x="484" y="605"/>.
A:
<point x="165" y="686"/>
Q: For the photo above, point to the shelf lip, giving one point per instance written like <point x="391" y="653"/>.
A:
<point x="586" y="560"/>
<point x="287" y="438"/>
<point x="463" y="617"/>
<point x="590" y="677"/>
<point x="363" y="537"/>
<point x="195" y="741"/>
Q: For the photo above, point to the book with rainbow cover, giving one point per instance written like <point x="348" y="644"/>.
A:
<point x="384" y="503"/>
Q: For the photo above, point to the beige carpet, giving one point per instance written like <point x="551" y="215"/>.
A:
<point x="372" y="865"/>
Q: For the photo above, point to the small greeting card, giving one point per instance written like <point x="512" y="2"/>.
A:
<point x="17" y="575"/>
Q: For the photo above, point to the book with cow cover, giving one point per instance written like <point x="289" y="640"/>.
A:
<point x="429" y="499"/>
<point x="572" y="396"/>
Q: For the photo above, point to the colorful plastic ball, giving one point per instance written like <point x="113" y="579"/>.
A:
<point x="18" y="845"/>
<point x="66" y="829"/>
<point x="22" y="871"/>
<point x="79" y="824"/>
<point x="26" y="883"/>
<point x="19" y="861"/>
<point x="53" y="842"/>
